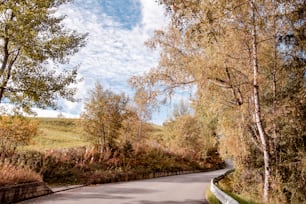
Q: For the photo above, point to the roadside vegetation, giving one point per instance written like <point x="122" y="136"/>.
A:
<point x="226" y="185"/>
<point x="16" y="132"/>
<point x="16" y="174"/>
<point x="62" y="163"/>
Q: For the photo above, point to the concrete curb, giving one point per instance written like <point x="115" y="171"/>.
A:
<point x="20" y="192"/>
<point x="222" y="197"/>
<point x="66" y="188"/>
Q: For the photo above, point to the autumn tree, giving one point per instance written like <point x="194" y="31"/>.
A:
<point x="187" y="131"/>
<point x="34" y="42"/>
<point x="144" y="103"/>
<point x="102" y="118"/>
<point x="15" y="131"/>
<point x="246" y="59"/>
<point x="129" y="131"/>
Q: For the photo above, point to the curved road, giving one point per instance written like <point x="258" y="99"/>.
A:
<point x="182" y="189"/>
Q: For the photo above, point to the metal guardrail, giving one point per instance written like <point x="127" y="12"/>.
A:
<point x="222" y="197"/>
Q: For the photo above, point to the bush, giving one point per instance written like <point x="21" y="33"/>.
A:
<point x="15" y="131"/>
<point x="11" y="174"/>
<point x="18" y="129"/>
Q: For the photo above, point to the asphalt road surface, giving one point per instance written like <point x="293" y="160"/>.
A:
<point x="182" y="189"/>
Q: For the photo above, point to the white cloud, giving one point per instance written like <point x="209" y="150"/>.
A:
<point x="113" y="54"/>
<point x="54" y="114"/>
<point x="9" y="109"/>
<point x="153" y="15"/>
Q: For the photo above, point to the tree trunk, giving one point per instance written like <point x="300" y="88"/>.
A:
<point x="274" y="72"/>
<point x="237" y="96"/>
<point x="258" y="119"/>
<point x="8" y="76"/>
<point x="6" y="62"/>
<point x="3" y="67"/>
<point x="140" y="130"/>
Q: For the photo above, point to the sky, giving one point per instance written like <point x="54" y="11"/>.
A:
<point x="115" y="48"/>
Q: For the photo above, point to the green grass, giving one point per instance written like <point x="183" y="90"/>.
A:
<point x="62" y="124"/>
<point x="226" y="186"/>
<point x="210" y="197"/>
<point x="57" y="133"/>
<point x="241" y="199"/>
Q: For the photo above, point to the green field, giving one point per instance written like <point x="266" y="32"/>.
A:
<point x="57" y="133"/>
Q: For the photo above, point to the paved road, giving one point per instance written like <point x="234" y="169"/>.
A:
<point x="183" y="189"/>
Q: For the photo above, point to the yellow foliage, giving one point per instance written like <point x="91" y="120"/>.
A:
<point x="18" y="130"/>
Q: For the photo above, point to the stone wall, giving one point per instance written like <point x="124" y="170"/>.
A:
<point x="20" y="192"/>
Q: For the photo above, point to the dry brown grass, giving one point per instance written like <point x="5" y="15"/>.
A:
<point x="11" y="174"/>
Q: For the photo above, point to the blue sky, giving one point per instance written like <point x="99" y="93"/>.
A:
<point x="127" y="12"/>
<point x="115" y="50"/>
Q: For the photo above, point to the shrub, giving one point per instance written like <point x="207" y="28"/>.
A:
<point x="15" y="131"/>
<point x="11" y="174"/>
<point x="18" y="129"/>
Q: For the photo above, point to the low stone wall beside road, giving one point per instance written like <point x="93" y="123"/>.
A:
<point x="123" y="177"/>
<point x="20" y="192"/>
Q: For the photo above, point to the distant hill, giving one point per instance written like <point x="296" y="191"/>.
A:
<point x="55" y="133"/>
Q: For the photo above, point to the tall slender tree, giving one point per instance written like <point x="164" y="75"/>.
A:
<point x="144" y="109"/>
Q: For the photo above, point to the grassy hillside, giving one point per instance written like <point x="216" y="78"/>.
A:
<point x="56" y="133"/>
